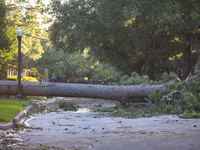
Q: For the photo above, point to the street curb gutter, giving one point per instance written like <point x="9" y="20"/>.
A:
<point x="17" y="117"/>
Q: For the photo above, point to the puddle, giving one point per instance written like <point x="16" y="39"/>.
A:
<point x="84" y="110"/>
<point x="80" y="110"/>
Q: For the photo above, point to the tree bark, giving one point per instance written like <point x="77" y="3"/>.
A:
<point x="137" y="67"/>
<point x="120" y="93"/>
<point x="110" y="81"/>
<point x="198" y="49"/>
<point x="186" y="57"/>
<point x="151" y="67"/>
<point x="68" y="77"/>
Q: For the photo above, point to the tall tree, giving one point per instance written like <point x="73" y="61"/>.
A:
<point x="178" y="18"/>
<point x="93" y="24"/>
<point x="115" y="36"/>
<point x="5" y="42"/>
<point x="21" y="13"/>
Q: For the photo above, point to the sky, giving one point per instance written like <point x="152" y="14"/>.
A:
<point x="45" y="1"/>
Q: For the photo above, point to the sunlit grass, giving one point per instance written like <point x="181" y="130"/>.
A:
<point x="35" y="96"/>
<point x="10" y="108"/>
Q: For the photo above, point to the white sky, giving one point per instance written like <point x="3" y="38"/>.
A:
<point x="32" y="2"/>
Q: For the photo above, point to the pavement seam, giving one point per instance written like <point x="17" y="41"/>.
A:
<point x="17" y="117"/>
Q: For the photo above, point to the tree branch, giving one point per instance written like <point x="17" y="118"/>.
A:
<point x="20" y="7"/>
<point x="36" y="37"/>
<point x="174" y="92"/>
<point x="187" y="41"/>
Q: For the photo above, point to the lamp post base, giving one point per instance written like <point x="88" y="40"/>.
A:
<point x="19" y="97"/>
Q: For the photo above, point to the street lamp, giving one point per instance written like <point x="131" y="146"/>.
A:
<point x="19" y="37"/>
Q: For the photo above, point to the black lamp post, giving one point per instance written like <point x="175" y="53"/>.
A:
<point x="19" y="37"/>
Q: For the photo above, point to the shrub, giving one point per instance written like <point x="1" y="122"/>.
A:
<point x="30" y="79"/>
<point x="42" y="77"/>
<point x="34" y="73"/>
<point x="12" y="78"/>
<point x="15" y="78"/>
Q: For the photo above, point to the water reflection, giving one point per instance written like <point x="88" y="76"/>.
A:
<point x="84" y="110"/>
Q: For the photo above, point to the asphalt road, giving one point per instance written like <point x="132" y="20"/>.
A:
<point x="85" y="130"/>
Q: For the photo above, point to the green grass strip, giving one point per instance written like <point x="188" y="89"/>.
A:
<point x="10" y="108"/>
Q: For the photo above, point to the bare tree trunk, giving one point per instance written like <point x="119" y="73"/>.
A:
<point x="198" y="49"/>
<point x="186" y="57"/>
<point x="121" y="93"/>
<point x="68" y="77"/>
<point x="151" y="67"/>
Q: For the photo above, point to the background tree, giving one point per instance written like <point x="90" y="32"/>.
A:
<point x="6" y="53"/>
<point x="5" y="41"/>
<point x="22" y="13"/>
<point x="90" y="24"/>
<point x="73" y="67"/>
<point x="179" y="19"/>
<point x="117" y="32"/>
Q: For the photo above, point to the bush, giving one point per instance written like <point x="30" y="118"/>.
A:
<point x="12" y="78"/>
<point x="34" y="72"/>
<point x="15" y="78"/>
<point x="42" y="77"/>
<point x="30" y="79"/>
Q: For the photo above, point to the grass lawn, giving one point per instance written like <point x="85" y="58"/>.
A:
<point x="10" y="108"/>
<point x="35" y="97"/>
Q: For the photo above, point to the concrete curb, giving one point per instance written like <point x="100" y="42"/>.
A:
<point x="17" y="117"/>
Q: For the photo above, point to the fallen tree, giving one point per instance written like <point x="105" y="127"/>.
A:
<point x="182" y="98"/>
<point x="120" y="93"/>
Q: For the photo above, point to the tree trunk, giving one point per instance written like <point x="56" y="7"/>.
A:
<point x="120" y="93"/>
<point x="151" y="66"/>
<point x="137" y="67"/>
<point x="89" y="79"/>
<point x="68" y="77"/>
<point x="186" y="57"/>
<point x="151" y="61"/>
<point x="198" y="49"/>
